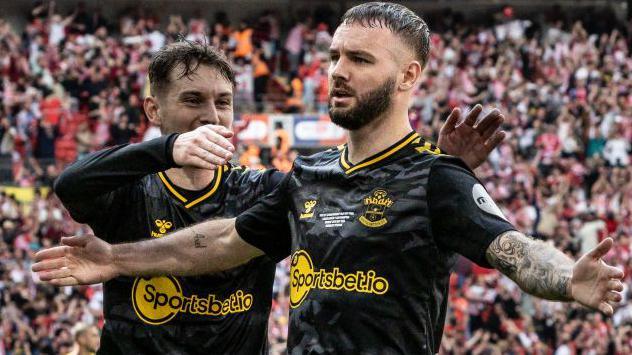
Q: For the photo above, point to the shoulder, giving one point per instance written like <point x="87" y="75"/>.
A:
<point x="245" y="177"/>
<point x="323" y="158"/>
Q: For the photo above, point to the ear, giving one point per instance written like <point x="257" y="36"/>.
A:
<point x="412" y="75"/>
<point x="150" y="104"/>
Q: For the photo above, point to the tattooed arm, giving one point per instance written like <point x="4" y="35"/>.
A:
<point x="543" y="271"/>
<point x="536" y="267"/>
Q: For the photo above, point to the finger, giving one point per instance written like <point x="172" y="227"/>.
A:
<point x="606" y="308"/>
<point x="66" y="281"/>
<point x="490" y="120"/>
<point x="613" y="297"/>
<point x="49" y="275"/>
<point x="614" y="272"/>
<point x="216" y="150"/>
<point x="615" y="285"/>
<point x="218" y="139"/>
<point x="75" y="241"/>
<point x="48" y="264"/>
<point x="196" y="161"/>
<point x="208" y="157"/>
<point x="225" y="132"/>
<point x="492" y="127"/>
<point x="450" y="123"/>
<point x="471" y="117"/>
<point x="495" y="140"/>
<point x="51" y="253"/>
<point x="601" y="249"/>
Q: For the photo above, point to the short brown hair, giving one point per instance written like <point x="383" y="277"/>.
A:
<point x="190" y="55"/>
<point x="399" y="19"/>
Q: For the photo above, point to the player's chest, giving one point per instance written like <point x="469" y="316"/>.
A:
<point x="161" y="217"/>
<point x="376" y="209"/>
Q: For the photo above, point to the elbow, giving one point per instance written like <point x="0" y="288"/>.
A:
<point x="65" y="186"/>
<point x="61" y="187"/>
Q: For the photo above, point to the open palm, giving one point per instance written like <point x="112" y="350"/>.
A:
<point x="595" y="284"/>
<point x="79" y="261"/>
<point x="469" y="140"/>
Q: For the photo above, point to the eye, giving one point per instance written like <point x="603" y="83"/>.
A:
<point x="192" y="100"/>
<point x="333" y="58"/>
<point x="359" y="60"/>
<point x="223" y="103"/>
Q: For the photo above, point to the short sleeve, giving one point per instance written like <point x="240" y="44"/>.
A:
<point x="266" y="224"/>
<point x="464" y="218"/>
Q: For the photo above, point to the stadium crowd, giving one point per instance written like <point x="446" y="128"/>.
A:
<point x="72" y="84"/>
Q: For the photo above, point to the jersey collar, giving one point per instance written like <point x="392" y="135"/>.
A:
<point x="193" y="198"/>
<point x="350" y="168"/>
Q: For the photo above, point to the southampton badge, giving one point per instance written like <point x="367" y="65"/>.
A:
<point x="376" y="206"/>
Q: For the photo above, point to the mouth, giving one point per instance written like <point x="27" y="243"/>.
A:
<point x="341" y="93"/>
<point x="340" y="97"/>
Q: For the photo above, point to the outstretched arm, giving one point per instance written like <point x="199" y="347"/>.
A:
<point x="465" y="220"/>
<point x="85" y="187"/>
<point x="207" y="247"/>
<point x="544" y="271"/>
<point x="201" y="249"/>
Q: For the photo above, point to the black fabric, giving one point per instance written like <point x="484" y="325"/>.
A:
<point x="458" y="223"/>
<point x="368" y="272"/>
<point x="123" y="195"/>
<point x="86" y="186"/>
<point x="266" y="226"/>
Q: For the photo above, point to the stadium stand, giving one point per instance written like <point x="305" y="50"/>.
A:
<point x="73" y="83"/>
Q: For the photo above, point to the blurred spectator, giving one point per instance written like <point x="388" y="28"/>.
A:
<point x="87" y="339"/>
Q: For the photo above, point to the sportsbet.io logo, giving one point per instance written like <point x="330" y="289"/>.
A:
<point x="303" y="278"/>
<point x="158" y="300"/>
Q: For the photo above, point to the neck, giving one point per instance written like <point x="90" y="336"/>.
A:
<point x="190" y="178"/>
<point x="378" y="135"/>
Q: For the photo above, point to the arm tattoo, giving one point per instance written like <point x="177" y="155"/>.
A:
<point x="197" y="239"/>
<point x="538" y="268"/>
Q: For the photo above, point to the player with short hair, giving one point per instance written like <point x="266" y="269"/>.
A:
<point x="147" y="190"/>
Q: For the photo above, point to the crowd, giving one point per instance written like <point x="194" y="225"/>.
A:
<point x="74" y="84"/>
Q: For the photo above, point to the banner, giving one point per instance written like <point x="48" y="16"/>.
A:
<point x="317" y="131"/>
<point x="256" y="129"/>
<point x="307" y="131"/>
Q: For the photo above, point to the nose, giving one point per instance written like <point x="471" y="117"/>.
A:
<point x="338" y="70"/>
<point x="210" y="115"/>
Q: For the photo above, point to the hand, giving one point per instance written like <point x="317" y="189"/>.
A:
<point x="206" y="147"/>
<point x="468" y="141"/>
<point x="595" y="284"/>
<point x="80" y="260"/>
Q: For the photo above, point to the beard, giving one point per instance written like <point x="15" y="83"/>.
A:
<point x="368" y="108"/>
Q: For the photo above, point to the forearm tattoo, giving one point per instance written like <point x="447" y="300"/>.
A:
<point x="198" y="239"/>
<point x="538" y="268"/>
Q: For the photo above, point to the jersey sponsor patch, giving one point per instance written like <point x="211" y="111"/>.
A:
<point x="157" y="300"/>
<point x="304" y="277"/>
<point x="485" y="202"/>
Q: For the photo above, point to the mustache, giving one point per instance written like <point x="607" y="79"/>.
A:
<point x="340" y="88"/>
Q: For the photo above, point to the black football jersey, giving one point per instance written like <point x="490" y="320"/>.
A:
<point x="373" y="244"/>
<point x="222" y="313"/>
